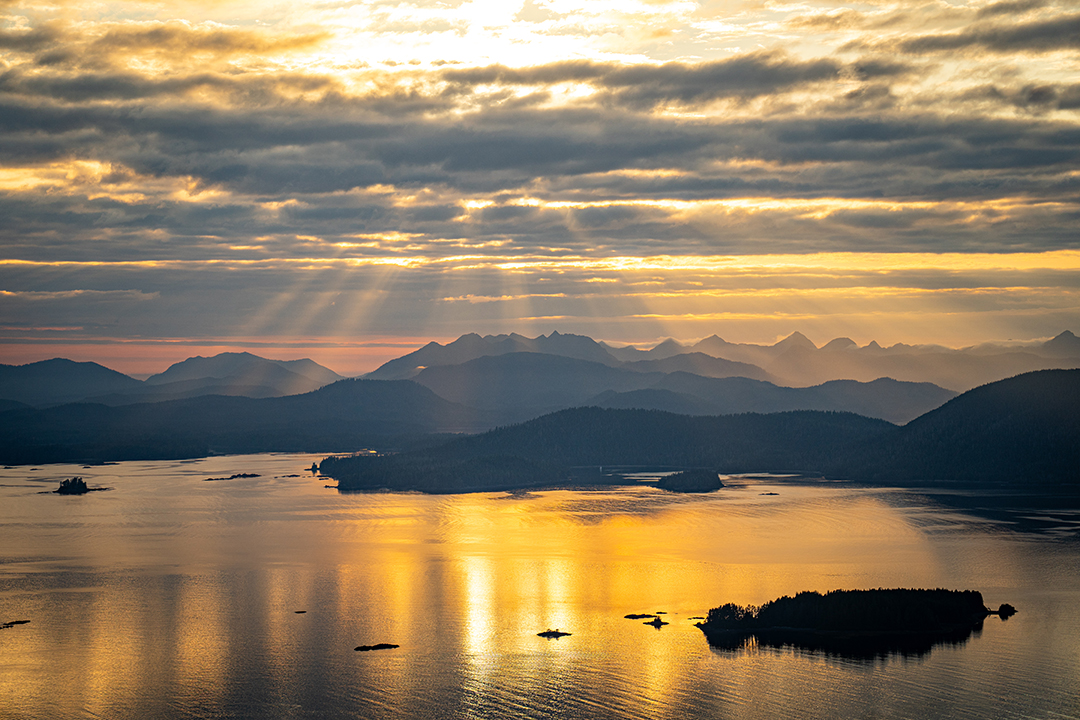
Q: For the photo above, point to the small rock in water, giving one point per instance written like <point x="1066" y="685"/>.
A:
<point x="299" y="612"/>
<point x="552" y="634"/>
<point x="380" y="646"/>
<point x="656" y="623"/>
<point x="12" y="623"/>
<point x="234" y="477"/>
<point x="638" y="616"/>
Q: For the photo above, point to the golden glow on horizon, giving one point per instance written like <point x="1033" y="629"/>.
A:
<point x="1066" y="260"/>
<point x="815" y="208"/>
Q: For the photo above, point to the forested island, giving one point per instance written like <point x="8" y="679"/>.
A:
<point x="853" y="622"/>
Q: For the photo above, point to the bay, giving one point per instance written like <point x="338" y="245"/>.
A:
<point x="170" y="596"/>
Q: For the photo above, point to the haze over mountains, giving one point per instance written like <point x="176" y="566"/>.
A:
<point x="58" y="381"/>
<point x="238" y="402"/>
<point x="794" y="361"/>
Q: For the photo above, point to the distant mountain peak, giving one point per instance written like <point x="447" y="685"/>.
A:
<point x="237" y="364"/>
<point x="796" y="339"/>
<point x="60" y="380"/>
<point x="841" y="343"/>
<point x="1066" y="344"/>
<point x="472" y="346"/>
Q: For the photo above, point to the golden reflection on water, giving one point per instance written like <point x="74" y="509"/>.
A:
<point x="201" y="637"/>
<point x="170" y="596"/>
<point x="477" y="598"/>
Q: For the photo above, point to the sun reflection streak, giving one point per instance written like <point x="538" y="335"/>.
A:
<point x="479" y="600"/>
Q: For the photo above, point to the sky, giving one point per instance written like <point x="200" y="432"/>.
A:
<point x="347" y="180"/>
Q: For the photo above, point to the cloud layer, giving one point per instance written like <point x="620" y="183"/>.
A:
<point x="183" y="170"/>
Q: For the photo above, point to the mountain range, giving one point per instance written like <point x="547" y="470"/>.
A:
<point x="60" y="410"/>
<point x="59" y="381"/>
<point x="794" y="361"/>
<point x="518" y="386"/>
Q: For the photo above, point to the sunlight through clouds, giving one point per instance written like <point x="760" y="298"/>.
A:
<point x="412" y="167"/>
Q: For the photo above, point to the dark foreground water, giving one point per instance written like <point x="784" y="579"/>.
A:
<point x="172" y="597"/>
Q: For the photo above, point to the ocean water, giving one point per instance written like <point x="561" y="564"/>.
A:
<point x="168" y="596"/>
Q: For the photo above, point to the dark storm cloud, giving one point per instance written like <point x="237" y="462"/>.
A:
<point x="645" y="85"/>
<point x="746" y="76"/>
<point x="29" y="41"/>
<point x="1059" y="33"/>
<point x="1037" y="98"/>
<point x="871" y="68"/>
<point x="1010" y="7"/>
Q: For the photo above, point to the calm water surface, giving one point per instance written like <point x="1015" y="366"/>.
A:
<point x="172" y="597"/>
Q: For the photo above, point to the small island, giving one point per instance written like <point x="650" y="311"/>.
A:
<point x="378" y="646"/>
<point x="854" y="622"/>
<point x="233" y="477"/>
<point x="75" y="486"/>
<point x="691" y="481"/>
<point x="552" y="634"/>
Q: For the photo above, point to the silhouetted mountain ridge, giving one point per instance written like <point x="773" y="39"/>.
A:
<point x="472" y="347"/>
<point x="1024" y="430"/>
<point x="344" y="416"/>
<point x="59" y="381"/>
<point x="544" y="451"/>
<point x="794" y="361"/>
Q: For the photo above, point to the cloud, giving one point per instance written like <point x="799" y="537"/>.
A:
<point x="1058" y="33"/>
<point x="180" y="37"/>
<point x="646" y="85"/>
<point x="30" y="39"/>
<point x="1010" y="7"/>
<point x="232" y="165"/>
<point x="1032" y="97"/>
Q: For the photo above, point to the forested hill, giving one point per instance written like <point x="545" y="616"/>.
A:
<point x="795" y="441"/>
<point x="340" y="417"/>
<point x="1021" y="430"/>
<point x="551" y="449"/>
<point x="1024" y="429"/>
